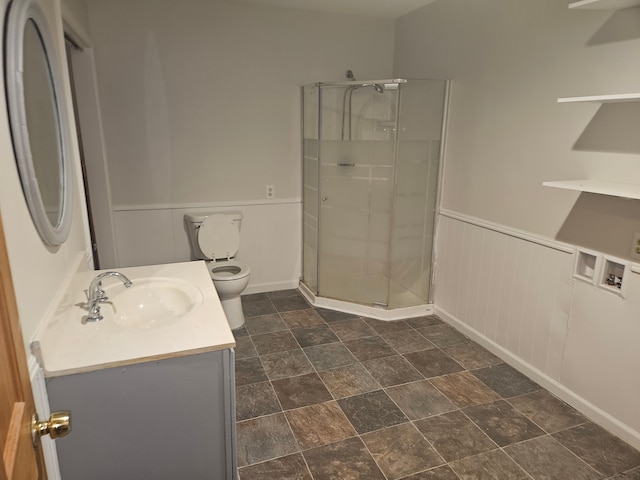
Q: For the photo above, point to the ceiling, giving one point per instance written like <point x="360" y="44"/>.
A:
<point x="376" y="8"/>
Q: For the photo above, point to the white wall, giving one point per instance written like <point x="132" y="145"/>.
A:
<point x="201" y="107"/>
<point x="508" y="62"/>
<point x="38" y="271"/>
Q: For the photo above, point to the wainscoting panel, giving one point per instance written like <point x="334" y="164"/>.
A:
<point x="514" y="293"/>
<point x="270" y="238"/>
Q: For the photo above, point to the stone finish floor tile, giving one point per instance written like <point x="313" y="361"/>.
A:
<point x="289" y="363"/>
<point x="244" y="348"/>
<point x="291" y="467"/>
<point x="544" y="457"/>
<point x="327" y="394"/>
<point x="600" y="449"/>
<point x="256" y="400"/>
<point x="349" y="380"/>
<point x="319" y="425"/>
<point x="426" y="321"/>
<point x="334" y="315"/>
<point x="406" y="341"/>
<point x="420" y="399"/>
<point x="400" y="451"/>
<point x="547" y="411"/>
<point x="393" y="370"/>
<point x="472" y="356"/>
<point x="330" y="355"/>
<point x="439" y="473"/>
<point x="464" y="389"/>
<point x="345" y="460"/>
<point x="506" y="380"/>
<point x="630" y="475"/>
<point x="368" y="348"/>
<point x="302" y="318"/>
<point x="265" y="324"/>
<point x="503" y="423"/>
<point x="301" y="391"/>
<point x="287" y="304"/>
<point x="371" y="411"/>
<point x="256" y="308"/>
<point x="314" y="335"/>
<point x="442" y="335"/>
<point x="352" y="329"/>
<point x="291" y="292"/>
<point x="454" y="436"/>
<point x="274" y="342"/>
<point x="240" y="332"/>
<point x="263" y="438"/>
<point x="249" y="370"/>
<point x="493" y="465"/>
<point x="433" y="363"/>
<point x="383" y="326"/>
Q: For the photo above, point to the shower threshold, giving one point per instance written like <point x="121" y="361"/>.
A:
<point x="369" y="311"/>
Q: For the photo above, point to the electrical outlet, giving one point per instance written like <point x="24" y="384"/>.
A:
<point x="271" y="191"/>
<point x="635" y="246"/>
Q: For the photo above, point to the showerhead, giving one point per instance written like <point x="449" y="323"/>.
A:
<point x="379" y="88"/>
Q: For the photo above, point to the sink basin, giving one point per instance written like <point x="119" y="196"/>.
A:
<point x="150" y="302"/>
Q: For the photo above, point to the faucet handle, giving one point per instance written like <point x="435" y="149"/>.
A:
<point x="100" y="295"/>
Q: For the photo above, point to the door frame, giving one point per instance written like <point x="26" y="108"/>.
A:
<point x="89" y="119"/>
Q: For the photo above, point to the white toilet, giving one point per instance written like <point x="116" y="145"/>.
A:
<point x="215" y="237"/>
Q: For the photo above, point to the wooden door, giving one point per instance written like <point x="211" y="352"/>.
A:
<point x="20" y="460"/>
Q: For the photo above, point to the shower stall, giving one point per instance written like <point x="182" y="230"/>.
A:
<point x="371" y="162"/>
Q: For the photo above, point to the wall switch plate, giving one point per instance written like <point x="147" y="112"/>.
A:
<point x="635" y="246"/>
<point x="271" y="191"/>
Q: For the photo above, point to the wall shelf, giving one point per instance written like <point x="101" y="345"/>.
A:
<point x="623" y="190"/>
<point x="604" y="4"/>
<point x="615" y="98"/>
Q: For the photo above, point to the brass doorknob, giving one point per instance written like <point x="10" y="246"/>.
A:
<point x="58" y="425"/>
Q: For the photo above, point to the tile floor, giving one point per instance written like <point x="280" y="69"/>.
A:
<point x="327" y="395"/>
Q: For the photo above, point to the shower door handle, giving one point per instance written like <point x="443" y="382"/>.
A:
<point x="324" y="199"/>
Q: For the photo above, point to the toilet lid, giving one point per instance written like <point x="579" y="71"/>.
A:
<point x="218" y="237"/>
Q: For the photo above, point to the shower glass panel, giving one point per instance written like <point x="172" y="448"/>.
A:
<point x="371" y="154"/>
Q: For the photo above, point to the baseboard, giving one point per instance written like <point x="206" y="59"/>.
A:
<point x="585" y="407"/>
<point x="270" y="287"/>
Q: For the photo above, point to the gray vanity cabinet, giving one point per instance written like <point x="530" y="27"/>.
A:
<point x="168" y="419"/>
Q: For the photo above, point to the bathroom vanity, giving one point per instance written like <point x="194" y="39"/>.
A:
<point x="150" y="387"/>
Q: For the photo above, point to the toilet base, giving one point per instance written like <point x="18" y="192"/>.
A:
<point x="233" y="310"/>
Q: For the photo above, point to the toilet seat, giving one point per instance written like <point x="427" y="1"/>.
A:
<point x="218" y="237"/>
<point x="227" y="270"/>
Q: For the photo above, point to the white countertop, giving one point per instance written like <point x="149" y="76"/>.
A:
<point x="67" y="345"/>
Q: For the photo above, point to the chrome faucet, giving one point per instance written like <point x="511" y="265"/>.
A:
<point x="97" y="296"/>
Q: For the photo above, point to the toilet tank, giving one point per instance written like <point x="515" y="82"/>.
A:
<point x="193" y="221"/>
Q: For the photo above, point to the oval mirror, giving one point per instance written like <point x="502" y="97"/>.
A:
<point x="38" y="119"/>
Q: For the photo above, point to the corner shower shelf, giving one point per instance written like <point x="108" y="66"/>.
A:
<point x="615" y="98"/>
<point x="623" y="190"/>
<point x="604" y="4"/>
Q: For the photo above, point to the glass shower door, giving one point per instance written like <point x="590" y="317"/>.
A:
<point x="356" y="156"/>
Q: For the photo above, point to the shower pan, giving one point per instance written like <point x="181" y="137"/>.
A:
<point x="371" y="162"/>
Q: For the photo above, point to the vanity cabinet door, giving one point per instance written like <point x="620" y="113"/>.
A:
<point x="169" y="419"/>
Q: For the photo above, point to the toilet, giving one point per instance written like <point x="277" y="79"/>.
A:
<point x="215" y="237"/>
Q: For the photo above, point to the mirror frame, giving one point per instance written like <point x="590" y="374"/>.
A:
<point x="20" y="12"/>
